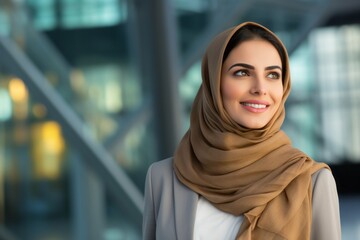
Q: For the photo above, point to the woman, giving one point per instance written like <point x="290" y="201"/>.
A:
<point x="235" y="174"/>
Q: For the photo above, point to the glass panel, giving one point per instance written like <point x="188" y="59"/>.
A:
<point x="337" y="53"/>
<point x="92" y="12"/>
<point x="36" y="161"/>
<point x="36" y="156"/>
<point x="75" y="14"/>
<point x="33" y="153"/>
<point x="43" y="13"/>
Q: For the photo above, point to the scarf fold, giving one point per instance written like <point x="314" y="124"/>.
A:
<point x="254" y="172"/>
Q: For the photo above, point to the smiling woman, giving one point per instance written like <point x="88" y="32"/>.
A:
<point x="235" y="174"/>
<point x="251" y="85"/>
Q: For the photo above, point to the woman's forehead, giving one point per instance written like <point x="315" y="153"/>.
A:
<point x="256" y="51"/>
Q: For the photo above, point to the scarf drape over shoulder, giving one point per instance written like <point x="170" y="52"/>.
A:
<point x="254" y="172"/>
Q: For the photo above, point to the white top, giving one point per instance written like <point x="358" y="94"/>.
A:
<point x="211" y="223"/>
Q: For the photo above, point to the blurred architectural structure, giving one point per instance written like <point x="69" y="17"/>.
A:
<point x="93" y="91"/>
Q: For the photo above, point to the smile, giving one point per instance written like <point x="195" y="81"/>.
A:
<point x="254" y="105"/>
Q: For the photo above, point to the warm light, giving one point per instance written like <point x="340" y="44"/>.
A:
<point x="19" y="95"/>
<point x="18" y="91"/>
<point x="48" y="149"/>
<point x="51" y="135"/>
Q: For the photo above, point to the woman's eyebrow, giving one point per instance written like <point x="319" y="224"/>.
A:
<point x="241" y="65"/>
<point x="252" y="67"/>
<point x="273" y="67"/>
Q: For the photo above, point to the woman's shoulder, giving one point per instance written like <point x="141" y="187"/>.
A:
<point x="324" y="189"/>
<point x="165" y="163"/>
<point x="323" y="177"/>
<point x="160" y="171"/>
<point x="161" y="166"/>
<point x="325" y="207"/>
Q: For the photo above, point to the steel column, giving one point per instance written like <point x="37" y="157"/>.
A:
<point x="156" y="46"/>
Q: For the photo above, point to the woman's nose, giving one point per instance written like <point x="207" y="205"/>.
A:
<point x="258" y="88"/>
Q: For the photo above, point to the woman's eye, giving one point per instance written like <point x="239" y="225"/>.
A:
<point x="274" y="75"/>
<point x="241" y="73"/>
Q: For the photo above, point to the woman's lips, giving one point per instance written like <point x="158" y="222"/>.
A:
<point x="255" y="106"/>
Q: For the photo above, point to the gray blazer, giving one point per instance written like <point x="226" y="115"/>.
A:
<point x="170" y="207"/>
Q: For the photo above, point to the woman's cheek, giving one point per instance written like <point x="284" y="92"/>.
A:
<point x="231" y="90"/>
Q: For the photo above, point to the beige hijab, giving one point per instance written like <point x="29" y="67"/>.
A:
<point x="254" y="172"/>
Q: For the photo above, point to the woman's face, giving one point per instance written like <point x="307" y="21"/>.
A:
<point x="251" y="83"/>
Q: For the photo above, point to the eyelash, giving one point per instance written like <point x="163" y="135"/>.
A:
<point x="236" y="73"/>
<point x="277" y="75"/>
<point x="247" y="73"/>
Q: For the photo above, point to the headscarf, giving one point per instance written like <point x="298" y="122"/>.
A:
<point x="251" y="172"/>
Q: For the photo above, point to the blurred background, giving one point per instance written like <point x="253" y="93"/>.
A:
<point x="93" y="91"/>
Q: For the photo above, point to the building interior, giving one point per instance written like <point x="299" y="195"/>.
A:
<point x="94" y="91"/>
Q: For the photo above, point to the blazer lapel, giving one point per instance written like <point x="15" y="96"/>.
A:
<point x="185" y="203"/>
